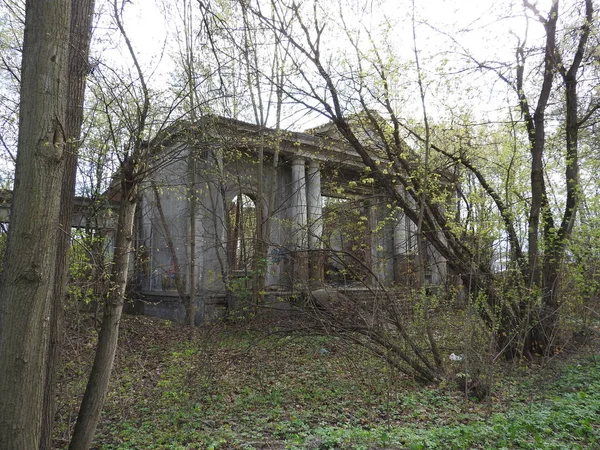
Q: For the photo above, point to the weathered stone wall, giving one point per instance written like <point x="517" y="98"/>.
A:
<point x="292" y="197"/>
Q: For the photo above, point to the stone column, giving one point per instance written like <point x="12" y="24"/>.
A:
<point x="400" y="247"/>
<point x="405" y="247"/>
<point x="439" y="271"/>
<point x="400" y="234"/>
<point x="299" y="219"/>
<point x="315" y="221"/>
<point x="382" y="245"/>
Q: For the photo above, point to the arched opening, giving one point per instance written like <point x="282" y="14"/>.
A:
<point x="241" y="233"/>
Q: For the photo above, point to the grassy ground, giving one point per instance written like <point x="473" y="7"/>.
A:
<point x="237" y="388"/>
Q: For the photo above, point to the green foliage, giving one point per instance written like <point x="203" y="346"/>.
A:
<point x="232" y="388"/>
<point x="88" y="262"/>
<point x="241" y="286"/>
<point x="345" y="232"/>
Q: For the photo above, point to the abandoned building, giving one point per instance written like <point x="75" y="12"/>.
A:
<point x="234" y="210"/>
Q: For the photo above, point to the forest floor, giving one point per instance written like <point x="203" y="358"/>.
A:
<point x="252" y="386"/>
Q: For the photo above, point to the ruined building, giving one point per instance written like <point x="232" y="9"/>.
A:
<point x="216" y="223"/>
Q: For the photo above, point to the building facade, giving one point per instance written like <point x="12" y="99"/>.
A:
<point x="233" y="213"/>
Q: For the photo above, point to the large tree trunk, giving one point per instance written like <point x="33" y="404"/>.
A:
<point x="542" y="331"/>
<point x="79" y="45"/>
<point x="28" y="278"/>
<point x="95" y="392"/>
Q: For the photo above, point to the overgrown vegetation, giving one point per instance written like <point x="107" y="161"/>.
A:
<point x="234" y="387"/>
<point x="491" y="179"/>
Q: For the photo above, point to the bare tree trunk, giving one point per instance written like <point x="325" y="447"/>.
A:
<point x="423" y="195"/>
<point x="233" y="227"/>
<point x="545" y="270"/>
<point x="95" y="392"/>
<point x="189" y="65"/>
<point x="190" y="305"/>
<point x="29" y="265"/>
<point x="79" y="45"/>
<point x="97" y="386"/>
<point x="255" y="90"/>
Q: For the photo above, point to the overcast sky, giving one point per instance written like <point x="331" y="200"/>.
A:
<point x="487" y="29"/>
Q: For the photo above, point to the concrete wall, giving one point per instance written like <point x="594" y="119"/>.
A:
<point x="295" y="230"/>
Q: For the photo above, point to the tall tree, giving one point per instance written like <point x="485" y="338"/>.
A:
<point x="543" y="264"/>
<point x="131" y="99"/>
<point x="566" y="56"/>
<point x="348" y="88"/>
<point x="80" y="35"/>
<point x="12" y="18"/>
<point x="28" y="278"/>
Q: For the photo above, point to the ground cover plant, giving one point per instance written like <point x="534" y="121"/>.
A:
<point x="236" y="387"/>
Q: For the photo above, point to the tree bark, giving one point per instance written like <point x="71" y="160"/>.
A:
<point x="78" y="67"/>
<point x="540" y="337"/>
<point x="29" y="268"/>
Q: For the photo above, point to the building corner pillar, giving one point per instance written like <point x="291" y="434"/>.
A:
<point x="314" y="201"/>
<point x="299" y="219"/>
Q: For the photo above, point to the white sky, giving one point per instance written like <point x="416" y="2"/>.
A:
<point x="145" y="24"/>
